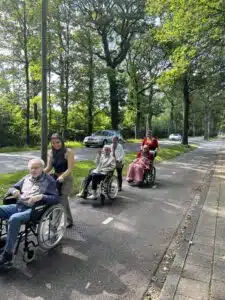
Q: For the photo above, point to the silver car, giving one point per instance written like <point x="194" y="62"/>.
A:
<point x="175" y="137"/>
<point x="101" y="138"/>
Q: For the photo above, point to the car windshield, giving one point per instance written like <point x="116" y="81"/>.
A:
<point x="98" y="133"/>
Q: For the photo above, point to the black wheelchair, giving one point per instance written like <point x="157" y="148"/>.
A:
<point x="149" y="176"/>
<point x="107" y="188"/>
<point x="44" y="230"/>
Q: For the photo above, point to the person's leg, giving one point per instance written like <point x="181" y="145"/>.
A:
<point x="119" y="176"/>
<point x="86" y="184"/>
<point x="15" y="220"/>
<point x="96" y="179"/>
<point x="64" y="198"/>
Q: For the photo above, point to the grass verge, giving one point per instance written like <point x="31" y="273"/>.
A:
<point x="82" y="167"/>
<point x="69" y="144"/>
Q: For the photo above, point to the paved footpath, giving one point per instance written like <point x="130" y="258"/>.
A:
<point x="198" y="271"/>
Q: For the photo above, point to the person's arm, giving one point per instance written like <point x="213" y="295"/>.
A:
<point x="110" y="166"/>
<point x="98" y="158"/>
<point x="48" y="167"/>
<point x="15" y="190"/>
<point x="50" y="196"/>
<point x="143" y="143"/>
<point x="71" y="161"/>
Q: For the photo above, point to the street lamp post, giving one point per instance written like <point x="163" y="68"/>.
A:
<point x="44" y="121"/>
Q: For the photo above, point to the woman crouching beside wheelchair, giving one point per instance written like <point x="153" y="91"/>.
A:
<point x="140" y="166"/>
<point x="105" y="163"/>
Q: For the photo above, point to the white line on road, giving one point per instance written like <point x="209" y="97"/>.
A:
<point x="87" y="285"/>
<point x="107" y="221"/>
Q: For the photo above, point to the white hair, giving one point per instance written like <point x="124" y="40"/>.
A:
<point x="36" y="160"/>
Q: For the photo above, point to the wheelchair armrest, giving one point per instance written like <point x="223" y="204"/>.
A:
<point x="37" y="210"/>
<point x="110" y="173"/>
<point x="9" y="199"/>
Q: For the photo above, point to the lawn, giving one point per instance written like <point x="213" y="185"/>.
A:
<point x="82" y="167"/>
<point x="69" y="144"/>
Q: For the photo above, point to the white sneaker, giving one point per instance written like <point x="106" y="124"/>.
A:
<point x="80" y="195"/>
<point x="92" y="197"/>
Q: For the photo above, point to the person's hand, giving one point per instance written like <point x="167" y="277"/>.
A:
<point x="16" y="193"/>
<point x="60" y="179"/>
<point x="99" y="151"/>
<point x="34" y="199"/>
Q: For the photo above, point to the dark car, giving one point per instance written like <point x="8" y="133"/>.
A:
<point x="101" y="138"/>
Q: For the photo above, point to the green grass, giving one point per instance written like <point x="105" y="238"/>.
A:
<point x="18" y="149"/>
<point x="74" y="144"/>
<point x="82" y="167"/>
<point x="69" y="144"/>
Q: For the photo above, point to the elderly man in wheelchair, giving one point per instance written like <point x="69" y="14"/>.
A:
<point x="103" y="176"/>
<point x="33" y="201"/>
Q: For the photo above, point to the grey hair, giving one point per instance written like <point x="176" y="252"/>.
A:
<point x="36" y="160"/>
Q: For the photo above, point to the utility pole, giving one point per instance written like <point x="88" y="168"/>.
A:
<point x="44" y="121"/>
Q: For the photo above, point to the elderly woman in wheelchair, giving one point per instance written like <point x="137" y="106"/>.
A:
<point x="32" y="201"/>
<point x="141" y="171"/>
<point x="103" y="176"/>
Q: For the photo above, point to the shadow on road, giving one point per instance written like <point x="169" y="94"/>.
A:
<point x="59" y="274"/>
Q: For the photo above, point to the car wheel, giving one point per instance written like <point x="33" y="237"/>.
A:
<point x="87" y="146"/>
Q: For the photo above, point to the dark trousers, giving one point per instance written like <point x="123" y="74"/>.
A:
<point x="119" y="171"/>
<point x="96" y="178"/>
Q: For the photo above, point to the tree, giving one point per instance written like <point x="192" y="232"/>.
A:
<point x="116" y="22"/>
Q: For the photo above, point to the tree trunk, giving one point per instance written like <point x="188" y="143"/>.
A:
<point x="171" y="122"/>
<point x="186" y="111"/>
<point x="26" y="68"/>
<point x="49" y="97"/>
<point x="90" y="88"/>
<point x="150" y="113"/>
<point x="66" y="103"/>
<point x="113" y="88"/>
<point x="35" y="112"/>
<point x="206" y="122"/>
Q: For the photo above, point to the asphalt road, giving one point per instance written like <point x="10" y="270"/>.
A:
<point x="14" y="161"/>
<point x="112" y="251"/>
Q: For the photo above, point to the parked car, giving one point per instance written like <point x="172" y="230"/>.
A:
<point x="175" y="137"/>
<point x="101" y="138"/>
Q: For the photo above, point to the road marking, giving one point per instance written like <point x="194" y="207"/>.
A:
<point x="107" y="221"/>
<point x="87" y="285"/>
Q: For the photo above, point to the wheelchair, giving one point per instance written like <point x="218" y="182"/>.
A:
<point x="148" y="179"/>
<point x="107" y="188"/>
<point x="44" y="230"/>
<point x="149" y="176"/>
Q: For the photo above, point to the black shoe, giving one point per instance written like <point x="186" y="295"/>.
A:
<point x="6" y="259"/>
<point x="120" y="189"/>
<point x="69" y="225"/>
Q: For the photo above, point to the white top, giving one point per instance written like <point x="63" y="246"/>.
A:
<point x="104" y="164"/>
<point x="119" y="152"/>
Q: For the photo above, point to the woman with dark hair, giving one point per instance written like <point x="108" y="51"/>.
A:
<point x="61" y="160"/>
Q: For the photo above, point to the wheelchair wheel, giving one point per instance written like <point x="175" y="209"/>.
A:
<point x="29" y="255"/>
<point x="153" y="175"/>
<point x="51" y="227"/>
<point x="112" y="187"/>
<point x="149" y="176"/>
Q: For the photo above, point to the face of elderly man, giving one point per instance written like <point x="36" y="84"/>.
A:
<point x="36" y="167"/>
